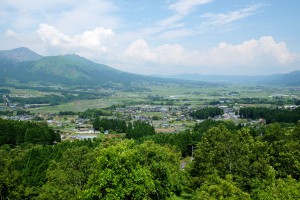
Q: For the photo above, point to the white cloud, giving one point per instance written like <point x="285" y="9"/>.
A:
<point x="171" y="22"/>
<point x="225" y="18"/>
<point x="10" y="33"/>
<point x="174" y="34"/>
<point x="263" y="54"/>
<point x="68" y="15"/>
<point x="140" y="50"/>
<point x="97" y="39"/>
<point x="184" y="7"/>
<point x="252" y="52"/>
<point x="53" y="36"/>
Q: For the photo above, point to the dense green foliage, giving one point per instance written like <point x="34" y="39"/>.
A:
<point x="186" y="141"/>
<point x="230" y="162"/>
<point x="23" y="112"/>
<point x="271" y="114"/>
<point x="18" y="132"/>
<point x="104" y="124"/>
<point x="139" y="129"/>
<point x="67" y="113"/>
<point x="207" y="112"/>
<point x="56" y="99"/>
<point x="129" y="171"/>
<point x="256" y="164"/>
<point x="93" y="113"/>
<point x="6" y="112"/>
<point x="45" y="172"/>
<point x="49" y="99"/>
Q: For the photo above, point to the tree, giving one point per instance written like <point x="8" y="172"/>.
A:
<point x="225" y="153"/>
<point x="67" y="177"/>
<point x="130" y="171"/>
<point x="276" y="189"/>
<point x="215" y="188"/>
<point x="139" y="129"/>
<point x="207" y="112"/>
<point x="18" y="132"/>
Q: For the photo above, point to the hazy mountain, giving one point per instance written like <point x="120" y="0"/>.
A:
<point x="292" y="78"/>
<point x="20" y="54"/>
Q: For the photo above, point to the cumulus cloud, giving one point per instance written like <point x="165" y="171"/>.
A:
<point x="96" y="39"/>
<point x="252" y="52"/>
<point x="139" y="49"/>
<point x="225" y="58"/>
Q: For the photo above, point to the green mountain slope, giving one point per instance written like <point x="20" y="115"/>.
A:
<point x="66" y="69"/>
<point x="20" y="54"/>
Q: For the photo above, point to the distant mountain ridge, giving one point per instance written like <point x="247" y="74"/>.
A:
<point x="25" y="66"/>
<point x="292" y="78"/>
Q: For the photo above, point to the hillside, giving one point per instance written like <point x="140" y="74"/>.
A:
<point x="19" y="55"/>
<point x="24" y="65"/>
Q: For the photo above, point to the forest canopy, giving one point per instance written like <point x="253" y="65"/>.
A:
<point x="228" y="162"/>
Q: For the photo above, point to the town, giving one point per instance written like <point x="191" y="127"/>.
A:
<point x="167" y="114"/>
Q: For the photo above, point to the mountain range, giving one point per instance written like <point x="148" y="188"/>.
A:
<point x="24" y="65"/>
<point x="291" y="79"/>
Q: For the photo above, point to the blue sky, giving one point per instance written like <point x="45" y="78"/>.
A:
<point x="236" y="37"/>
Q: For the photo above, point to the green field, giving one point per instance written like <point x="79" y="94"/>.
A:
<point x="191" y="95"/>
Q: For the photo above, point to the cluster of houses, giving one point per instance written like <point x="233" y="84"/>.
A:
<point x="19" y="117"/>
<point x="169" y="114"/>
<point x="161" y="117"/>
<point x="139" y="112"/>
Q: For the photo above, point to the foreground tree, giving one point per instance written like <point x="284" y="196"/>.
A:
<point x="67" y="177"/>
<point x="130" y="171"/>
<point x="225" y="153"/>
<point x="216" y="188"/>
<point x="276" y="189"/>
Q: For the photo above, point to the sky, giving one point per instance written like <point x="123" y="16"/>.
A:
<point x="167" y="37"/>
